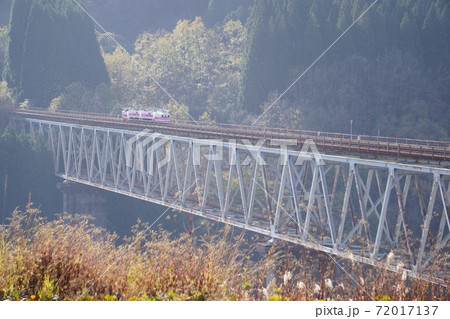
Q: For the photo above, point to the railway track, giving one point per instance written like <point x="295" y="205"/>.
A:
<point x="410" y="150"/>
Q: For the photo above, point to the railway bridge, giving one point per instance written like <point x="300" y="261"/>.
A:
<point x="380" y="201"/>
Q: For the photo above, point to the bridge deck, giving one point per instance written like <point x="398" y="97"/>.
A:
<point x="396" y="149"/>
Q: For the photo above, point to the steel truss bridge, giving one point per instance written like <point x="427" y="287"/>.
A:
<point x="387" y="213"/>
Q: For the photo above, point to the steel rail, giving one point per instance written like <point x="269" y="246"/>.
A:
<point x="396" y="148"/>
<point x="395" y="140"/>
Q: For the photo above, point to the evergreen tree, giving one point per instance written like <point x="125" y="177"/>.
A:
<point x="15" y="50"/>
<point x="285" y="37"/>
<point x="51" y="44"/>
<point x="220" y="10"/>
<point x="5" y="8"/>
<point x="274" y="47"/>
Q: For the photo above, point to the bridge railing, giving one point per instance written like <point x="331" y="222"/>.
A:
<point x="353" y="141"/>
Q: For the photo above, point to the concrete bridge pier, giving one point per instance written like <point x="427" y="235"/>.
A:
<point x="262" y="248"/>
<point x="82" y="199"/>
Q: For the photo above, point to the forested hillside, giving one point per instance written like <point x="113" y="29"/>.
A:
<point x="200" y="67"/>
<point x="229" y="60"/>
<point x="51" y="45"/>
<point x="128" y="19"/>
<point x="389" y="72"/>
<point x="5" y="7"/>
<point x="34" y="180"/>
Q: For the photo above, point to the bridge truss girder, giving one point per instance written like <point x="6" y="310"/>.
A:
<point x="384" y="214"/>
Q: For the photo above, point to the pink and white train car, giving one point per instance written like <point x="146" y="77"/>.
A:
<point x="160" y="115"/>
<point x="146" y="115"/>
<point x="130" y="114"/>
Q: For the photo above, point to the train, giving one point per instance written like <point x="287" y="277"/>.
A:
<point x="159" y="115"/>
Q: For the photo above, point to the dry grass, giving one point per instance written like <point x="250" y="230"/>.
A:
<point x="71" y="259"/>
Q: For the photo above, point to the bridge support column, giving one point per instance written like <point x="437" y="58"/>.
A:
<point x="82" y="199"/>
<point x="262" y="249"/>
